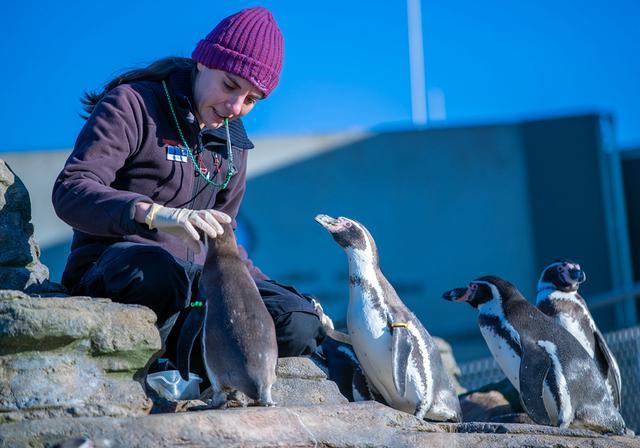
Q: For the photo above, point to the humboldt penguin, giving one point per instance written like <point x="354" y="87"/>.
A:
<point x="237" y="333"/>
<point x="396" y="352"/>
<point x="558" y="298"/>
<point x="559" y="383"/>
<point x="339" y="361"/>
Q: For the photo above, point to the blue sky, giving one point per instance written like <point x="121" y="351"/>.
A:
<point x="346" y="64"/>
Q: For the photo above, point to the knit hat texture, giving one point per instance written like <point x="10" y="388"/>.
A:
<point x="248" y="44"/>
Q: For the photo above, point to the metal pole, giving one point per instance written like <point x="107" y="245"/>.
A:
<point x="419" y="112"/>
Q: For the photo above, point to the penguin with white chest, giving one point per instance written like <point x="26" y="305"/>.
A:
<point x="396" y="352"/>
<point x="238" y="337"/>
<point x="558" y="298"/>
<point x="558" y="382"/>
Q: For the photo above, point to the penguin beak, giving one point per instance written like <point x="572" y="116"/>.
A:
<point x="329" y="223"/>
<point x="456" y="295"/>
<point x="577" y="275"/>
<point x="325" y="220"/>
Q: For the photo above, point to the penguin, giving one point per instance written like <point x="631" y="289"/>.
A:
<point x="237" y="333"/>
<point x="397" y="354"/>
<point x="558" y="382"/>
<point x="558" y="298"/>
<point x="339" y="361"/>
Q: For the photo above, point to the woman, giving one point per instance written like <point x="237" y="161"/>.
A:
<point x="161" y="161"/>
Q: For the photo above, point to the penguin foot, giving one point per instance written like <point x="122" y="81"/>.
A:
<point x="261" y="403"/>
<point x="237" y="399"/>
<point x="218" y="400"/>
<point x="265" y="397"/>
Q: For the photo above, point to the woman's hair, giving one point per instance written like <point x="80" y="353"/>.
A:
<point x="154" y="72"/>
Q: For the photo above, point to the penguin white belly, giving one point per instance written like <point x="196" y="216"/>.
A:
<point x="505" y="356"/>
<point x="371" y="341"/>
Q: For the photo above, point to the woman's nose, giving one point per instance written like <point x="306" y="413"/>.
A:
<point x="234" y="105"/>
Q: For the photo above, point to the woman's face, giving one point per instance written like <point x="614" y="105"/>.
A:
<point x="219" y="94"/>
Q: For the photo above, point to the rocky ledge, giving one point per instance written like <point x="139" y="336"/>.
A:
<point x="72" y="356"/>
<point x="339" y="425"/>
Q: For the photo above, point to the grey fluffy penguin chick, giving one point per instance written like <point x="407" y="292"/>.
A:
<point x="238" y="337"/>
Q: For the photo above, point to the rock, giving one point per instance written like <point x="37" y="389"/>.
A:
<point x="483" y="406"/>
<point x="74" y="356"/>
<point x="299" y="392"/>
<point x="494" y="402"/>
<point x="20" y="266"/>
<point x="346" y="425"/>
<point x="449" y="362"/>
<point x="300" y="383"/>
<point x="300" y="368"/>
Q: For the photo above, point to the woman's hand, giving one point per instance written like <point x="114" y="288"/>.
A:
<point x="183" y="223"/>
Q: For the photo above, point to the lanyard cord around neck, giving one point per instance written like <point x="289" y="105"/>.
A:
<point x="231" y="171"/>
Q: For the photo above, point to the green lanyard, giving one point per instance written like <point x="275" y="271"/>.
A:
<point x="232" y="168"/>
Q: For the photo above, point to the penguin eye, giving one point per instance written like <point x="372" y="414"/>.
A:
<point x="473" y="286"/>
<point x="559" y="268"/>
<point x="347" y="224"/>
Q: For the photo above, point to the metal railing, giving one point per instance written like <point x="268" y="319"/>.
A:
<point x="613" y="297"/>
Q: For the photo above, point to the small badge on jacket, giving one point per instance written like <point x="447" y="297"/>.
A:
<point x="177" y="154"/>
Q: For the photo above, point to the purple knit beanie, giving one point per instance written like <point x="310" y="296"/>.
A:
<point x="248" y="44"/>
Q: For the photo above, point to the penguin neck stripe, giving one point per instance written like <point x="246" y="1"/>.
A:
<point x="363" y="272"/>
<point x="569" y="304"/>
<point x="349" y="353"/>
<point x="495" y="309"/>
<point x="544" y="289"/>
<point x="496" y="326"/>
<point x="569" y="297"/>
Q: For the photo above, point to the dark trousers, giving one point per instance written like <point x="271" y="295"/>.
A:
<point x="149" y="275"/>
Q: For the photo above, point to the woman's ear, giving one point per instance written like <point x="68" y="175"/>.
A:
<point x="200" y="66"/>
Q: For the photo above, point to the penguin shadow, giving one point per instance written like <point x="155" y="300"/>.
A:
<point x="234" y="399"/>
<point x="162" y="405"/>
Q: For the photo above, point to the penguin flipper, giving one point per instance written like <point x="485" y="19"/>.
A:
<point x="534" y="367"/>
<point x="189" y="331"/>
<point x="613" y="372"/>
<point x="401" y="347"/>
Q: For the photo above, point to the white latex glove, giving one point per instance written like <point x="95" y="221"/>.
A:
<point x="183" y="222"/>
